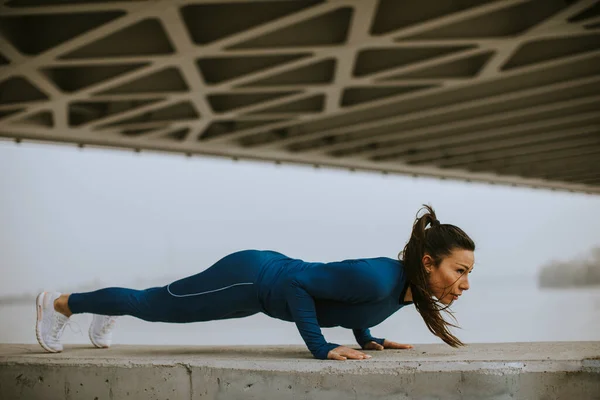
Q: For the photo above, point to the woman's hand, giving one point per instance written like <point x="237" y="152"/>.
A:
<point x="387" y="344"/>
<point x="343" y="353"/>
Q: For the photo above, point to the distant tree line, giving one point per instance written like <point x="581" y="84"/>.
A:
<point x="577" y="273"/>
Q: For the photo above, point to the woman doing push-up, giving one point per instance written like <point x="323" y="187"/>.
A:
<point x="431" y="273"/>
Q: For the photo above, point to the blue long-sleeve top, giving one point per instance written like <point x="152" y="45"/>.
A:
<point x="356" y="294"/>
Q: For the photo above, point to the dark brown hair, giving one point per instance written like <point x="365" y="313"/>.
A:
<point x="439" y="240"/>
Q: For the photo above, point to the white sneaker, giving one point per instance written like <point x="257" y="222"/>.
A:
<point x="50" y="323"/>
<point x="100" y="331"/>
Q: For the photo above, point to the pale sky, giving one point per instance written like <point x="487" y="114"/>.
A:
<point x="70" y="217"/>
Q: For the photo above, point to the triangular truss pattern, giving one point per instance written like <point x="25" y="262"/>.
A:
<point x="17" y="89"/>
<point x="42" y="118"/>
<point x="327" y="29"/>
<point x="501" y="91"/>
<point x="147" y="37"/>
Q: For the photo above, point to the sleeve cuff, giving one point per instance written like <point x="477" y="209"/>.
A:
<point x="372" y="339"/>
<point x="321" y="354"/>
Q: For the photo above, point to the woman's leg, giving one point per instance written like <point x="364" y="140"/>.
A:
<point x="225" y="290"/>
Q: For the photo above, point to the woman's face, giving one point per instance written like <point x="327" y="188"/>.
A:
<point x="448" y="280"/>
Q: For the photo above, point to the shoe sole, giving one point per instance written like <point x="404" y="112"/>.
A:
<point x="92" y="339"/>
<point x="39" y="301"/>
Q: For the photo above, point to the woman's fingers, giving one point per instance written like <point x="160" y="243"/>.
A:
<point x="354" y="354"/>
<point x="335" y="356"/>
<point x="343" y="353"/>
<point x="388" y="344"/>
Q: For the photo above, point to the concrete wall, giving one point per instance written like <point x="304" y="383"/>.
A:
<point x="549" y="371"/>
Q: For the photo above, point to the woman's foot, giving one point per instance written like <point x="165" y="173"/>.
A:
<point x="50" y="323"/>
<point x="100" y="331"/>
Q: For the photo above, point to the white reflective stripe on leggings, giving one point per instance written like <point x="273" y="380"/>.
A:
<point x="209" y="291"/>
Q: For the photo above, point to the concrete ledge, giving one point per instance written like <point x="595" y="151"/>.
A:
<point x="569" y="370"/>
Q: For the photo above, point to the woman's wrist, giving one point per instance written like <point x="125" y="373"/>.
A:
<point x="324" y="350"/>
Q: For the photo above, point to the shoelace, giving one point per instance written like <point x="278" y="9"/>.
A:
<point x="58" y="330"/>
<point x="108" y="325"/>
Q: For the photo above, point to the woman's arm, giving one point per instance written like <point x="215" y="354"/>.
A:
<point x="351" y="281"/>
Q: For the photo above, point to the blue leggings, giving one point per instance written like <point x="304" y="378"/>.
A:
<point x="228" y="289"/>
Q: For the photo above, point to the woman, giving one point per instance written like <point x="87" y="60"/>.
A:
<point x="355" y="294"/>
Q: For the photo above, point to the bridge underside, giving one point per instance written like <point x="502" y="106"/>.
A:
<point x="504" y="91"/>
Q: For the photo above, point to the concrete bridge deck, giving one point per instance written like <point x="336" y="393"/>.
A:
<point x="563" y="370"/>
